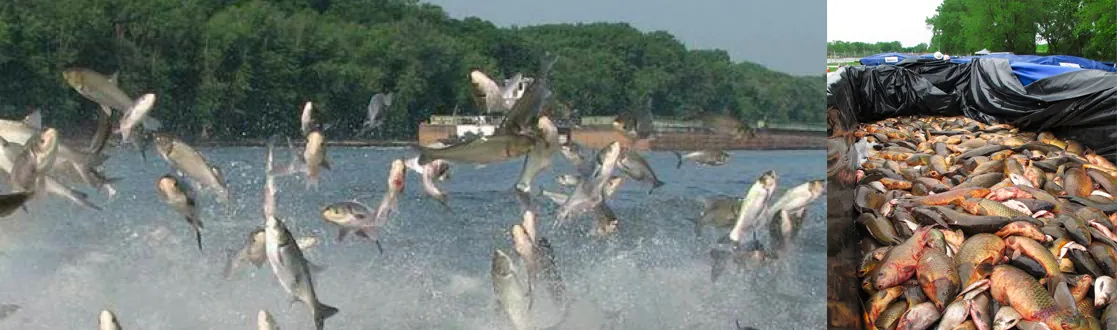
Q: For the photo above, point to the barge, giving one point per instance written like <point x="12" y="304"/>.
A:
<point x="596" y="132"/>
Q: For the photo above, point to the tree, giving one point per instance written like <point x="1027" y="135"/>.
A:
<point x="243" y="68"/>
<point x="1070" y="27"/>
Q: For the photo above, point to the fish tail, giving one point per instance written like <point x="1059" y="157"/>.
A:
<point x="366" y="127"/>
<point x="321" y="313"/>
<point x="198" y="237"/>
<point x="312" y="182"/>
<point x="1053" y="282"/>
<point x="230" y="263"/>
<point x="424" y="158"/>
<point x="442" y="200"/>
<point x="341" y="233"/>
<point x="79" y="198"/>
<point x="678" y="164"/>
<point x="656" y="184"/>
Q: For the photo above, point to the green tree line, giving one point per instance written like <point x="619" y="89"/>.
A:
<point x="1084" y="28"/>
<point x="840" y="48"/>
<point x="243" y="68"/>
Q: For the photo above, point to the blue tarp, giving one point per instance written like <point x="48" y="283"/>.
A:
<point x="884" y="58"/>
<point x="1057" y="60"/>
<point x="1027" y="72"/>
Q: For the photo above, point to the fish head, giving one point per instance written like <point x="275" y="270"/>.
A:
<point x="306" y="110"/>
<point x="167" y="184"/>
<point x="547" y="130"/>
<point x="306" y="242"/>
<point x="338" y="213"/>
<point x="74" y="77"/>
<point x="569" y="149"/>
<point x="441" y="169"/>
<point x="387" y="99"/>
<point x="611" y="226"/>
<point x="618" y="123"/>
<point x="396" y="175"/>
<point x="48" y="141"/>
<point x="816" y="187"/>
<point x="164" y="143"/>
<point x="108" y="321"/>
<point x="315" y="140"/>
<point x="502" y="264"/>
<point x="1103" y="290"/>
<point x="1064" y="320"/>
<point x="256" y="236"/>
<point x="528" y="223"/>
<point x="1006" y="318"/>
<point x="522" y="242"/>
<point x="264" y="320"/>
<point x="768" y="180"/>
<point x="144" y="103"/>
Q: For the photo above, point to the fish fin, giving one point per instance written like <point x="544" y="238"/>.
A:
<point x="697" y="228"/>
<point x="151" y="123"/>
<point x="312" y="183"/>
<point x="80" y="198"/>
<point x="985" y="267"/>
<point x="717" y="266"/>
<point x="323" y="312"/>
<point x="314" y="268"/>
<point x="341" y="234"/>
<point x="1063" y="298"/>
<point x="34" y="119"/>
<point x="370" y="233"/>
<point x="655" y="185"/>
<point x="198" y="236"/>
<point x="679" y="164"/>
<point x="442" y="200"/>
<point x="1053" y="282"/>
<point x="424" y="156"/>
<point x="115" y="78"/>
<point x="325" y="164"/>
<point x="230" y="262"/>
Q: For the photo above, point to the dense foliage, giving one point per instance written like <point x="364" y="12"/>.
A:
<point x="1084" y="28"/>
<point x="243" y="68"/>
<point x="859" y="49"/>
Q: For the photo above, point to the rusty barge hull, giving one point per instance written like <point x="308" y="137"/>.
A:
<point x="597" y="137"/>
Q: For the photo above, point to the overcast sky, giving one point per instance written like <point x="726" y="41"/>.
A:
<point x="785" y="36"/>
<point x="876" y="20"/>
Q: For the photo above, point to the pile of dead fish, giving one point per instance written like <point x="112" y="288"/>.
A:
<point x="975" y="226"/>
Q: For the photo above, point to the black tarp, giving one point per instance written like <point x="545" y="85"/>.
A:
<point x="1079" y="105"/>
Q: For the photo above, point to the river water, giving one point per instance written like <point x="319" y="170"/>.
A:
<point x="61" y="264"/>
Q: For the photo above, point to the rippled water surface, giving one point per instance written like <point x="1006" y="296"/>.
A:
<point x="62" y="264"/>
